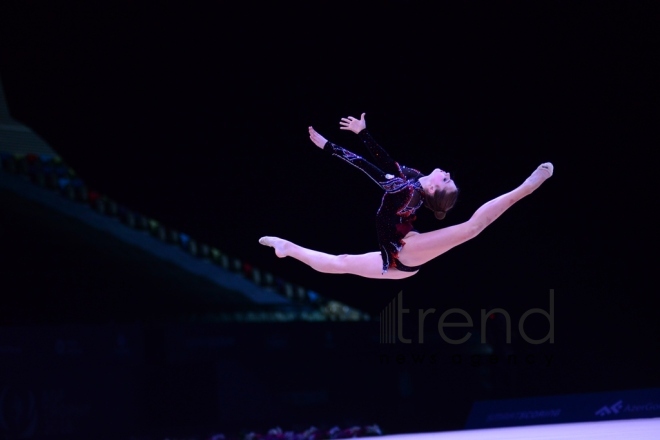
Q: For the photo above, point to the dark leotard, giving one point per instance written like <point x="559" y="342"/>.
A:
<point x="403" y="196"/>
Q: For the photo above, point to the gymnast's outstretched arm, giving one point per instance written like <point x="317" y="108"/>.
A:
<point x="381" y="158"/>
<point x="378" y="175"/>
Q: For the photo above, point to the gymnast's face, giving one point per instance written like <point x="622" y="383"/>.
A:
<point x="440" y="180"/>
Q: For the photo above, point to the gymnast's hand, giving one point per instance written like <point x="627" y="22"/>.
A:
<point x="352" y="124"/>
<point x="318" y="140"/>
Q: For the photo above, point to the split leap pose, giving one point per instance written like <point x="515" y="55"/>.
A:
<point x="405" y="190"/>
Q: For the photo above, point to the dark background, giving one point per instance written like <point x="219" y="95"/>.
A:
<point x="197" y="116"/>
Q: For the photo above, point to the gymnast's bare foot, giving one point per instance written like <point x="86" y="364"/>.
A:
<point x="281" y="246"/>
<point x="547" y="167"/>
<point x="543" y="172"/>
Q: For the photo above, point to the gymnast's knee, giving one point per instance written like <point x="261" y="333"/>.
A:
<point x="342" y="262"/>
<point x="339" y="264"/>
<point x="474" y="228"/>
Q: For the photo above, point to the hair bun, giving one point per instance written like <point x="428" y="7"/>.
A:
<point x="440" y="214"/>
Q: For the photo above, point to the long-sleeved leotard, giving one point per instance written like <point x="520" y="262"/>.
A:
<point x="402" y="197"/>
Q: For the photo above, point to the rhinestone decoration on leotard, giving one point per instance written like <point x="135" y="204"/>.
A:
<point x="403" y="194"/>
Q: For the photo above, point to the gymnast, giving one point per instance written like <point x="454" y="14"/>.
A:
<point x="402" y="249"/>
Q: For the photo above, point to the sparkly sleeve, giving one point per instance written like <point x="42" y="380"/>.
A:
<point x="381" y="158"/>
<point x="376" y="174"/>
<point x="410" y="173"/>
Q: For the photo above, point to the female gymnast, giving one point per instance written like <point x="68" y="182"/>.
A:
<point x="402" y="249"/>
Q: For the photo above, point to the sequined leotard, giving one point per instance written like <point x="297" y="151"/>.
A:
<point x="402" y="197"/>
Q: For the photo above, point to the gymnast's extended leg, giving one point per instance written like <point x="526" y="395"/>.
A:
<point x="367" y="265"/>
<point x="423" y="247"/>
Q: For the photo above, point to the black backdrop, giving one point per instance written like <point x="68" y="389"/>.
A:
<point x="197" y="116"/>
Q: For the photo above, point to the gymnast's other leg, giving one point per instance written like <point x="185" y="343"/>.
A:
<point x="423" y="247"/>
<point x="367" y="265"/>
